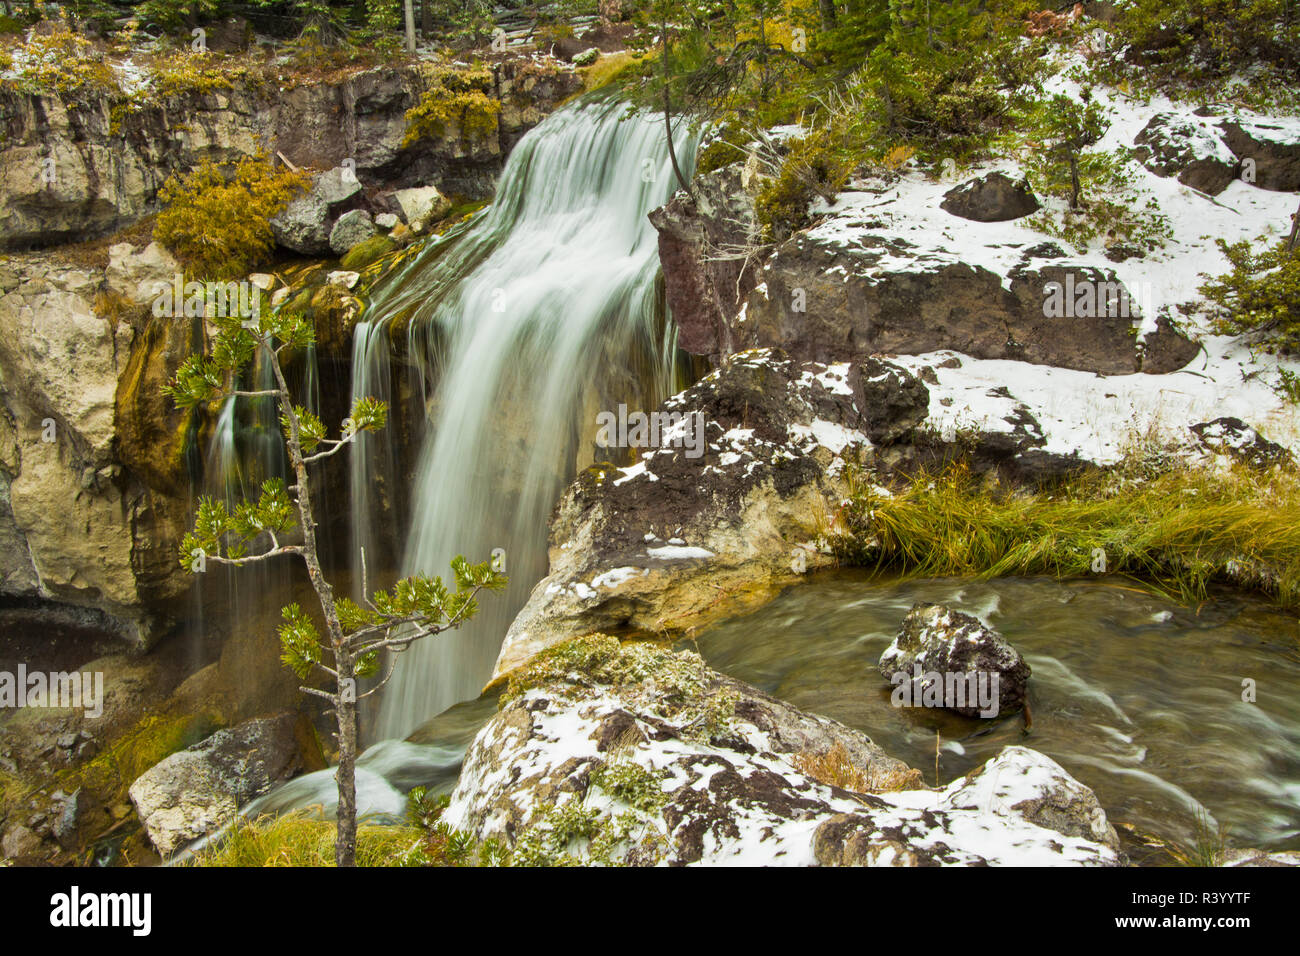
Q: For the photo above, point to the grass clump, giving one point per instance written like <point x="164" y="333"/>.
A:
<point x="1181" y="530"/>
<point x="216" y="220"/>
<point x="297" y="840"/>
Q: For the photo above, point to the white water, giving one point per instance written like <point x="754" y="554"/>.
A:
<point x="543" y="312"/>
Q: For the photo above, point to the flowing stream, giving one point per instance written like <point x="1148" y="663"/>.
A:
<point x="519" y="329"/>
<point x="1138" y="697"/>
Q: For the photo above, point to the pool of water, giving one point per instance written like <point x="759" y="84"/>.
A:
<point x="1137" y="696"/>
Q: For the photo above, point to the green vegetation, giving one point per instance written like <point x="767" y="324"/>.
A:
<point x="216" y="220"/>
<point x="1181" y="530"/>
<point x="457" y="103"/>
<point x="297" y="840"/>
<point x="1261" y="294"/>
<point x="358" y="640"/>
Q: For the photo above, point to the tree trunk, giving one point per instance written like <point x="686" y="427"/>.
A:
<point x="1293" y="240"/>
<point x="345" y="844"/>
<point x="1074" y="180"/>
<point x="668" y="115"/>
<point x="426" y="18"/>
<point x="827" y="10"/>
<point x="410" y="26"/>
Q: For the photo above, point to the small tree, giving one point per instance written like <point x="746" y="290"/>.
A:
<point x="1072" y="126"/>
<point x="282" y="522"/>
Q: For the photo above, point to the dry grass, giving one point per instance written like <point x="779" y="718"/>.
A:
<point x="296" y="840"/>
<point x="1180" y="531"/>
<point x="836" y="768"/>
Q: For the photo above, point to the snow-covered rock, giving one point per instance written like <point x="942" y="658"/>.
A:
<point x="642" y="756"/>
<point x="935" y="639"/>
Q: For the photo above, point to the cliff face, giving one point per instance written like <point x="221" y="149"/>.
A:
<point x="77" y="169"/>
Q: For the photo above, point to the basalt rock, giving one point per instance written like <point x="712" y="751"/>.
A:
<point x="1190" y="148"/>
<point x="1238" y="441"/>
<point x="938" y="640"/>
<point x="669" y="762"/>
<point x="697" y="528"/>
<point x="1273" y="149"/>
<point x="995" y="197"/>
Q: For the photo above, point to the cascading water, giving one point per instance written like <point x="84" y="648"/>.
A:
<point x="521" y="327"/>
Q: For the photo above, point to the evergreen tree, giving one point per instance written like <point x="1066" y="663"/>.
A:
<point x="282" y="521"/>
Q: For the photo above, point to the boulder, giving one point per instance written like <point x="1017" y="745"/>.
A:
<point x="197" y="791"/>
<point x="303" y="226"/>
<point x="1273" y="147"/>
<point x="935" y="639"/>
<point x="1191" y="148"/>
<point x="336" y="186"/>
<point x="351" y="229"/>
<point x="634" y="754"/>
<point x="1238" y="441"/>
<point x="421" y="206"/>
<point x="994" y="197"/>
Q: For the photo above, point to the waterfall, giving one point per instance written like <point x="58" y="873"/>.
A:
<point x="518" y="328"/>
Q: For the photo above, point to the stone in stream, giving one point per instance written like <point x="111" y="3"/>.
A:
<point x="196" y="791"/>
<point x="936" y="640"/>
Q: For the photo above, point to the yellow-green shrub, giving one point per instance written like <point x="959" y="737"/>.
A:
<point x="216" y="220"/>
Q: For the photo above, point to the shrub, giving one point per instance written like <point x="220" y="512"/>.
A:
<point x="812" y="168"/>
<point x="1261" y="294"/>
<point x="216" y="220"/>
<point x="457" y="103"/>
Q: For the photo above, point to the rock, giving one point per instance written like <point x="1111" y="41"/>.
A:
<point x="586" y="57"/>
<point x="19" y="843"/>
<point x="1238" y="857"/>
<point x="197" y="791"/>
<point x="1190" y="148"/>
<point x="1274" y="149"/>
<point x="303" y="226"/>
<point x="846" y="290"/>
<point x="137" y="274"/>
<point x="75" y="170"/>
<point x="421" y="206"/>
<point x="1237" y="440"/>
<point x="661" y="760"/>
<point x="347" y="280"/>
<point x="728" y="510"/>
<point x="367" y="252"/>
<point x="1017" y="787"/>
<point x="935" y="639"/>
<point x="336" y="186"/>
<point x="67" y="810"/>
<point x="231" y="35"/>
<point x="387" y="220"/>
<point x="705" y="291"/>
<point x="994" y="197"/>
<point x="351" y="229"/>
<point x="263" y="281"/>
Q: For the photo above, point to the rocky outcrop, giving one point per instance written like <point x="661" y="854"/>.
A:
<point x="1272" y="147"/>
<point x="994" y="197"/>
<point x="638" y="755"/>
<point x="89" y="534"/>
<point x="936" y="640"/>
<point x="78" y="169"/>
<point x="850" y="288"/>
<point x="196" y="791"/>
<point x="723" y="513"/>
<point x="1190" y="148"/>
<point x="1234" y="439"/>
